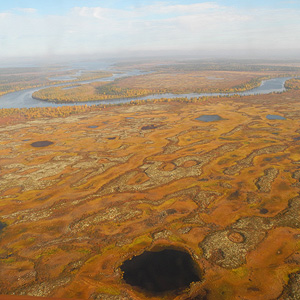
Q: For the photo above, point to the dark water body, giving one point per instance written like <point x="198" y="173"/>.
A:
<point x="160" y="272"/>
<point x="275" y="117"/>
<point x="23" y="99"/>
<point x="93" y="126"/>
<point x="39" y="144"/>
<point x="209" y="118"/>
<point x="2" y="225"/>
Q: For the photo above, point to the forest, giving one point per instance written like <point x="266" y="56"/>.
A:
<point x="179" y="78"/>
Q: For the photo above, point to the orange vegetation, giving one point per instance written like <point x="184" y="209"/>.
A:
<point x="195" y="82"/>
<point x="293" y="83"/>
<point x="124" y="179"/>
<point x="7" y="297"/>
<point x="89" y="92"/>
<point x="157" y="83"/>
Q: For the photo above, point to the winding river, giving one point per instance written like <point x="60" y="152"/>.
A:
<point x="23" y="99"/>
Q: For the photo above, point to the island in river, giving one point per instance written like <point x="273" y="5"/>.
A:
<point x="84" y="194"/>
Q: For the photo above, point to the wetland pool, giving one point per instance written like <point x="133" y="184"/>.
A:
<point x="275" y="117"/>
<point x="209" y="118"/>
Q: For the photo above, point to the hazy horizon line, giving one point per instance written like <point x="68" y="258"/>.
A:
<point x="283" y="55"/>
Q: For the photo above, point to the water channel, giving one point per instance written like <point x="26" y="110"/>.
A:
<point x="23" y="98"/>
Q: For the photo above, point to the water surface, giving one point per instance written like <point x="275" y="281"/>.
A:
<point x="275" y="117"/>
<point x="209" y="118"/>
<point x="23" y="99"/>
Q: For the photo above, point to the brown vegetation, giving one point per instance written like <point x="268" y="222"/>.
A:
<point x="175" y="82"/>
<point x="195" y="82"/>
<point x="293" y="83"/>
<point x="121" y="180"/>
<point x="89" y="92"/>
<point x="16" y="79"/>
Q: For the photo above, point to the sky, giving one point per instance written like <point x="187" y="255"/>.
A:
<point x="46" y="28"/>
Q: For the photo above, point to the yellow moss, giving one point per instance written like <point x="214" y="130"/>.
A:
<point x="93" y="258"/>
<point x="8" y="260"/>
<point x="286" y="275"/>
<point x="84" y="251"/>
<point x="108" y="248"/>
<point x="110" y="290"/>
<point x="48" y="252"/>
<point x="175" y="238"/>
<point x="140" y="242"/>
<point x="241" y="272"/>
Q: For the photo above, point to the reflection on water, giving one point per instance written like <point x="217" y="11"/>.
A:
<point x="209" y="118"/>
<point x="24" y="98"/>
<point x="275" y="117"/>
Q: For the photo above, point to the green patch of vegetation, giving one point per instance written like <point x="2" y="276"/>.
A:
<point x="141" y="241"/>
<point x="84" y="251"/>
<point x="48" y="252"/>
<point x="8" y="260"/>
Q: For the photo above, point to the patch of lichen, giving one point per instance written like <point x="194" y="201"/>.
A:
<point x="76" y="209"/>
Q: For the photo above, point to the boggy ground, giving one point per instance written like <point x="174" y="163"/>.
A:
<point x="133" y="178"/>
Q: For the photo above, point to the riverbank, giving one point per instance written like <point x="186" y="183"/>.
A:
<point x="25" y="100"/>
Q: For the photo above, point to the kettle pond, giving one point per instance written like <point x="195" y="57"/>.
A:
<point x="90" y="192"/>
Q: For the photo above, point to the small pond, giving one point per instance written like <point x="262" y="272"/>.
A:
<point x="209" y="118"/>
<point x="161" y="271"/>
<point x="275" y="117"/>
<point x="41" y="144"/>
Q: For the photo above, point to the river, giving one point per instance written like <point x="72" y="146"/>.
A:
<point x="23" y="99"/>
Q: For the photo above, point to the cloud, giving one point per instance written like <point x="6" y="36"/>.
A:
<point x="163" y="25"/>
<point x="164" y="8"/>
<point x="4" y="15"/>
<point x="26" y="10"/>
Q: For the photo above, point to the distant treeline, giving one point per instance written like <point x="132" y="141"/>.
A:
<point x="201" y="66"/>
<point x="293" y="83"/>
<point x="89" y="92"/>
<point x="16" y="79"/>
